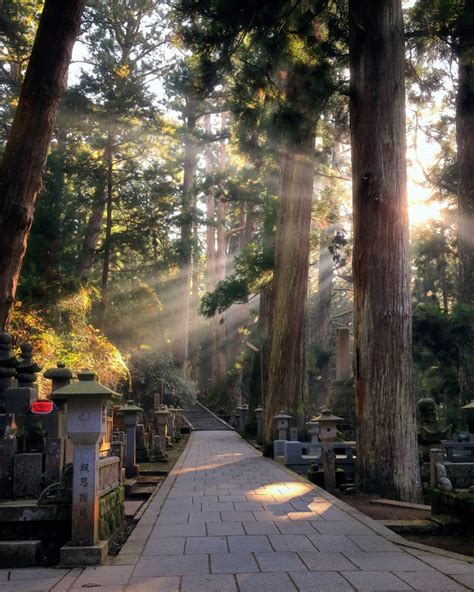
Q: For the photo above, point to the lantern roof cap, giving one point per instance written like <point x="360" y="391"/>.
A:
<point x="326" y="416"/>
<point x="469" y="405"/>
<point x="59" y="372"/>
<point x="282" y="415"/>
<point x="86" y="386"/>
<point x="129" y="407"/>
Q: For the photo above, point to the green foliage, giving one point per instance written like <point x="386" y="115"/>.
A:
<point x="252" y="272"/>
<point x="69" y="337"/>
<point x="437" y="339"/>
<point x="435" y="261"/>
<point x="156" y="371"/>
<point x="18" y="22"/>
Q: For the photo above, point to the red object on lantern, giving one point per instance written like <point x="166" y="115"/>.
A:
<point x="42" y="407"/>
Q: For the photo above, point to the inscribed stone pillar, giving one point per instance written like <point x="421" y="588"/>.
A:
<point x="86" y="426"/>
<point x="343" y="357"/>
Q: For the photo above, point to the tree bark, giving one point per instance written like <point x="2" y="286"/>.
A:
<point x="94" y="225"/>
<point x="287" y="381"/>
<point x="387" y="459"/>
<point x="25" y="153"/>
<point x="465" y="153"/>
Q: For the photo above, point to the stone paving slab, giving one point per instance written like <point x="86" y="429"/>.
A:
<point x="228" y="520"/>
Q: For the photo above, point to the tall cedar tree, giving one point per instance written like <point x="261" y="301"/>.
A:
<point x="25" y="154"/>
<point x="386" y="428"/>
<point x="287" y="382"/>
<point x="465" y="153"/>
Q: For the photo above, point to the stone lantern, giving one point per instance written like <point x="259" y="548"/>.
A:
<point x="86" y="404"/>
<point x="161" y="419"/>
<point x="130" y="412"/>
<point x="313" y="430"/>
<point x="327" y="434"/>
<point x="328" y="425"/>
<point x="282" y="423"/>
<point x="259" y="418"/>
<point x="469" y="410"/>
<point x="243" y="412"/>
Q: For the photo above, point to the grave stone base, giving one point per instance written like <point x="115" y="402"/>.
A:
<point x="73" y="556"/>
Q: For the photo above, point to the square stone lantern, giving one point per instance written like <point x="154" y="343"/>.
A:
<point x="313" y="431"/>
<point x="328" y="425"/>
<point x="130" y="412"/>
<point x="282" y="424"/>
<point x="86" y="409"/>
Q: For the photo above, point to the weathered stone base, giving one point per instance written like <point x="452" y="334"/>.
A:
<point x="20" y="553"/>
<point x="72" y="556"/>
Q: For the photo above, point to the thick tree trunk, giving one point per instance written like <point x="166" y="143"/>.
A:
<point x="386" y="428"/>
<point x="465" y="149"/>
<point x="104" y="287"/>
<point x="25" y="154"/>
<point x="184" y="282"/>
<point x="287" y="381"/>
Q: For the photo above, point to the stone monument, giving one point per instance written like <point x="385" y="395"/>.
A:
<point x="86" y="400"/>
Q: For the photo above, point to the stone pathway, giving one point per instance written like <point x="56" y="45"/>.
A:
<point x="228" y="520"/>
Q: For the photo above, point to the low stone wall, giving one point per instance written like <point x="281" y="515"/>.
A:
<point x="111" y="512"/>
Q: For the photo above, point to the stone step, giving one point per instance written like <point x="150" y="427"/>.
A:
<point x="202" y="419"/>
<point x="20" y="554"/>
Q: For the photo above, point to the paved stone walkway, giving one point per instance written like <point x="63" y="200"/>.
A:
<point x="227" y="520"/>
